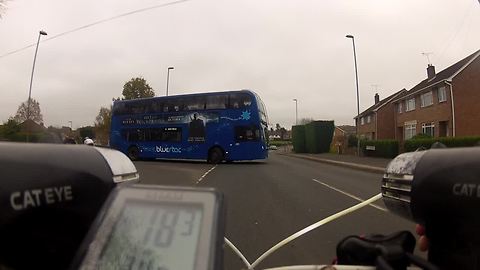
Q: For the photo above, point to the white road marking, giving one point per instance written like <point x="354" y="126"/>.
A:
<point x="349" y="195"/>
<point x="205" y="174"/>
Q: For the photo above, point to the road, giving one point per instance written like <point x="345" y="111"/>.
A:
<point x="269" y="200"/>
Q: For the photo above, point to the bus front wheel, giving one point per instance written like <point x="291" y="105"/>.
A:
<point x="215" y="155"/>
<point x="133" y="153"/>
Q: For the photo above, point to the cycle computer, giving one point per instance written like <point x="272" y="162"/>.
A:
<point x="156" y="227"/>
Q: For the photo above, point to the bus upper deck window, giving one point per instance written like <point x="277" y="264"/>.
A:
<point x="154" y="107"/>
<point x="119" y="108"/>
<point x="195" y="103"/>
<point x="217" y="102"/>
<point x="240" y="100"/>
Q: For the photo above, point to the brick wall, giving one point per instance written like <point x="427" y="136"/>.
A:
<point x="436" y="113"/>
<point x="466" y="95"/>
<point x="385" y="122"/>
<point x="367" y="129"/>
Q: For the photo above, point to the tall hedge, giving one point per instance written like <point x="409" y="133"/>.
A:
<point x="414" y="144"/>
<point x="318" y="136"/>
<point x="298" y="139"/>
<point x="383" y="148"/>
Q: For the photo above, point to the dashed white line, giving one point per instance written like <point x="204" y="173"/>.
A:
<point x="349" y="195"/>
<point x="205" y="174"/>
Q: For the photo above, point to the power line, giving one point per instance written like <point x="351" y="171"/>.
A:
<point x="447" y="44"/>
<point x="97" y="22"/>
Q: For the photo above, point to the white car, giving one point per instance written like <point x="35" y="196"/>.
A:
<point x="272" y="147"/>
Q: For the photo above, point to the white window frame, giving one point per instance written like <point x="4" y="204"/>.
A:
<point x="431" y="126"/>
<point x="369" y="119"/>
<point x="426" y="99"/>
<point x="410" y="130"/>
<point x="362" y="121"/>
<point x="400" y="107"/>
<point x="442" y="97"/>
<point x="407" y="108"/>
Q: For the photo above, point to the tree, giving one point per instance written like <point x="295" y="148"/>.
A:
<point x="283" y="132"/>
<point x="277" y="127"/>
<point x="137" y="88"/>
<point x="9" y="129"/>
<point x="87" y="131"/>
<point x="102" y="124"/>
<point x="3" y="6"/>
<point x="35" y="113"/>
<point x="305" y="121"/>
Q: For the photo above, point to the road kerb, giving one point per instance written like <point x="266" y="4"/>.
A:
<point x="361" y="167"/>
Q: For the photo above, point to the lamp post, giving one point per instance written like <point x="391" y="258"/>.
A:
<point x="40" y="33"/>
<point x="296" y="111"/>
<point x="168" y="77"/>
<point x="358" y="95"/>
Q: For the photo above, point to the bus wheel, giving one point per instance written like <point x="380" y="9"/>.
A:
<point x="215" y="155"/>
<point x="133" y="152"/>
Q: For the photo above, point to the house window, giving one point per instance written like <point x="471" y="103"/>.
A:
<point x="442" y="94"/>
<point x="369" y="119"/>
<point x="400" y="107"/>
<point x="426" y="99"/>
<point x="428" y="129"/>
<point x="410" y="131"/>
<point x="362" y="121"/>
<point x="410" y="104"/>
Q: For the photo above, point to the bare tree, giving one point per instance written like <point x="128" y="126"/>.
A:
<point x="35" y="112"/>
<point x="3" y="7"/>
<point x="305" y="121"/>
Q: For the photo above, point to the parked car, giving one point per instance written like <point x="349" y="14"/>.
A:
<point x="272" y="147"/>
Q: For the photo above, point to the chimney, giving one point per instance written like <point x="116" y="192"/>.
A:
<point x="377" y="98"/>
<point x="430" y="71"/>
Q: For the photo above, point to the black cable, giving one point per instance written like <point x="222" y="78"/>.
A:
<point x="382" y="264"/>
<point x="420" y="262"/>
<point x="97" y="22"/>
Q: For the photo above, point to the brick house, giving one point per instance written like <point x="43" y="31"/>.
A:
<point x="340" y="138"/>
<point x="377" y="122"/>
<point x="444" y="104"/>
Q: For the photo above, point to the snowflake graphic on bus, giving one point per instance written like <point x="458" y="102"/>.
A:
<point x="221" y="126"/>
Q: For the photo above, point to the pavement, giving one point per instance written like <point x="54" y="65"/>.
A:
<point x="269" y="200"/>
<point x="370" y="164"/>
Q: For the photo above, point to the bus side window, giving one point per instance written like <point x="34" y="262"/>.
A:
<point x="195" y="103"/>
<point x="154" y="107"/>
<point x="247" y="133"/>
<point x="240" y="100"/>
<point x="156" y="134"/>
<point x="217" y="102"/>
<point x="172" y="134"/>
<point x="166" y="107"/>
<point x="118" y="108"/>
<point x="134" y="135"/>
<point x="139" y="107"/>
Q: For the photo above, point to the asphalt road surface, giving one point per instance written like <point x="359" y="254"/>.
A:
<point x="268" y="201"/>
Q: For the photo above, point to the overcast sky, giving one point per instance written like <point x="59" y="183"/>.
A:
<point x="282" y="49"/>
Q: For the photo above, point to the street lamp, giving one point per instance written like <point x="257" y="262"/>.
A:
<point x="168" y="77"/>
<point x="296" y="111"/>
<point x="358" y="96"/>
<point x="40" y="33"/>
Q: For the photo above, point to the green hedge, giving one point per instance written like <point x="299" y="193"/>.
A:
<point x="413" y="144"/>
<point x="318" y="136"/>
<point x="279" y="142"/>
<point x="383" y="148"/>
<point x="298" y="139"/>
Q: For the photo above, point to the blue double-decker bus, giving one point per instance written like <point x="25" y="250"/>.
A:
<point x="218" y="126"/>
